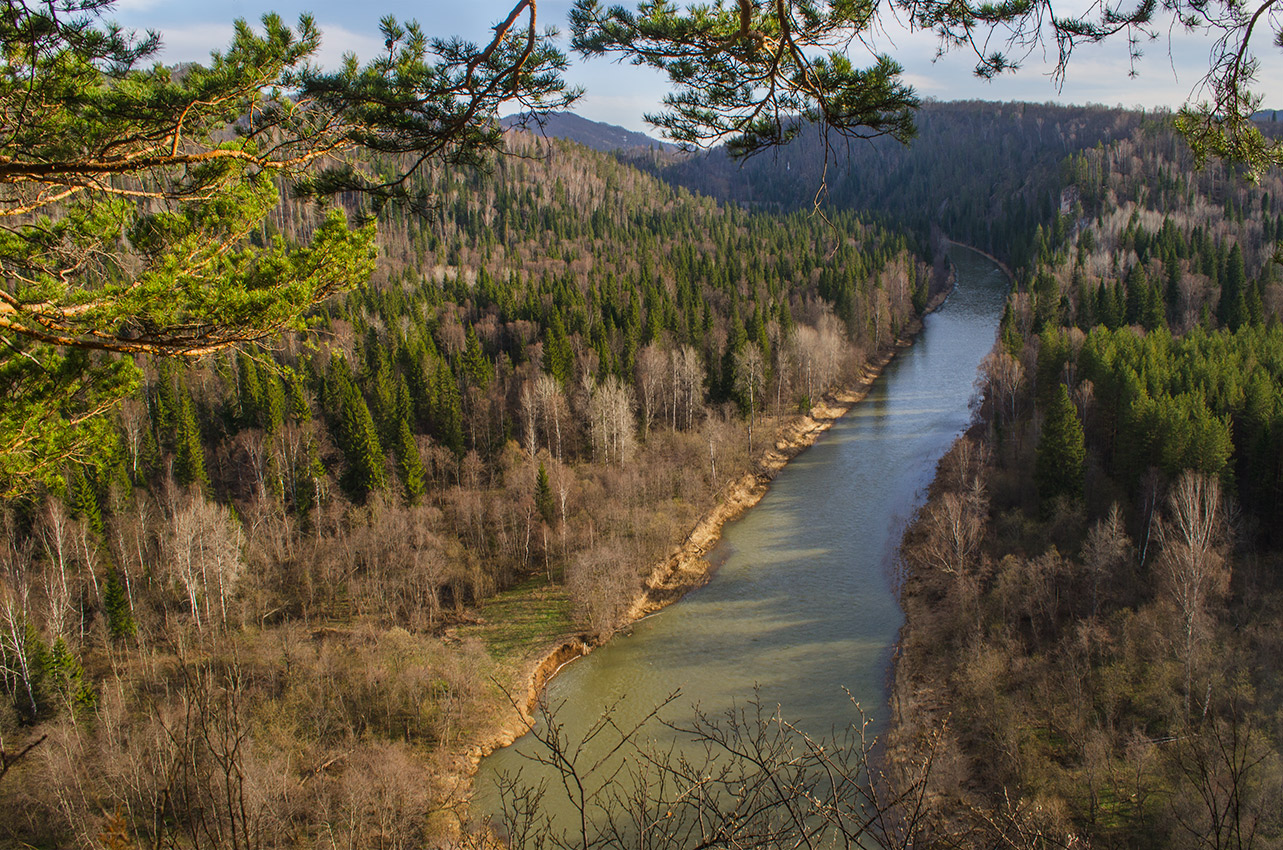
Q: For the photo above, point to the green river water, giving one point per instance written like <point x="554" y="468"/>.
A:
<point x="801" y="604"/>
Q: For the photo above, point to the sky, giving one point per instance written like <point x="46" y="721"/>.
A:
<point x="1166" y="76"/>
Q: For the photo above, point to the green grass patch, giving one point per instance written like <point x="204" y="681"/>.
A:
<point x="522" y="620"/>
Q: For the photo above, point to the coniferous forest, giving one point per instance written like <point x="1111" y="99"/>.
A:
<point x="302" y="578"/>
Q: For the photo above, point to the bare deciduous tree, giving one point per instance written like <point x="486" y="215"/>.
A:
<point x="203" y="549"/>
<point x="651" y="368"/>
<point x="1105" y="552"/>
<point x="1003" y="375"/>
<point x="744" y="779"/>
<point x="1192" y="565"/>
<point x="17" y="652"/>
<point x="750" y="381"/>
<point x="687" y="387"/>
<point x="610" y="412"/>
<point x="818" y="352"/>
<point x="552" y="409"/>
<point x="57" y="535"/>
<point x="602" y="583"/>
<point x="529" y="418"/>
<point x="954" y="529"/>
<point x="1229" y="781"/>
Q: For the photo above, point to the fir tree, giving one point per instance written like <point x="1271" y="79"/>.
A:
<point x="736" y="336"/>
<point x="1008" y="334"/>
<point x="1137" y="290"/>
<point x="1152" y="314"/>
<point x="558" y="357"/>
<point x="300" y="401"/>
<point x="1172" y="292"/>
<point x="447" y="410"/>
<point x="65" y="674"/>
<point x="84" y="500"/>
<point x="250" y="392"/>
<point x="273" y="410"/>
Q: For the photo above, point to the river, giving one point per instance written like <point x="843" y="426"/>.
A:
<point x="801" y="604"/>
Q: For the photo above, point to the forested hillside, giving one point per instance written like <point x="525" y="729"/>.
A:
<point x="987" y="174"/>
<point x="285" y="605"/>
<point x="1093" y="590"/>
<point x="268" y="617"/>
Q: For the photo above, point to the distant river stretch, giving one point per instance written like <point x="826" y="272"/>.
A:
<point x="800" y="605"/>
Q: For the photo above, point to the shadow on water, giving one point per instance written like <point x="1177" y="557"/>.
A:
<point x="800" y="606"/>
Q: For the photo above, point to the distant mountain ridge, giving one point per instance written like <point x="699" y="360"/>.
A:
<point x="590" y="134"/>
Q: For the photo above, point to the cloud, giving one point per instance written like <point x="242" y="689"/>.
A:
<point x="194" y="42"/>
<point x="623" y="110"/>
<point x="129" y="7"/>
<point x="337" y="40"/>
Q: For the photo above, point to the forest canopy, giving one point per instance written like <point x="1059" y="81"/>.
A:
<point x="133" y="197"/>
<point x="130" y="195"/>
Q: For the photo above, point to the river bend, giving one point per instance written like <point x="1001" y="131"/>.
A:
<point x="801" y="605"/>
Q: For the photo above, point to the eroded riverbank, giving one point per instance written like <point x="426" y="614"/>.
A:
<point x="800" y="608"/>
<point x="687" y="568"/>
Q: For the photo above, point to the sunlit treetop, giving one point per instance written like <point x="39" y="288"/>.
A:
<point x="129" y="193"/>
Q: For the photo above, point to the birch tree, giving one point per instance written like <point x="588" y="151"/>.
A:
<point x="1192" y="566"/>
<point x="750" y="381"/>
<point x="610" y="411"/>
<point x="202" y="546"/>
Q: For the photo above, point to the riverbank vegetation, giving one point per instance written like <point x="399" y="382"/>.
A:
<point x="264" y="616"/>
<point x="1092" y="591"/>
<point x="287" y="595"/>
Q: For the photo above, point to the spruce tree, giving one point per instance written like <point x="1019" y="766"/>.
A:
<point x="189" y="454"/>
<point x="447" y="410"/>
<point x="1137" y="290"/>
<point x="736" y="336"/>
<point x="115" y="603"/>
<point x="1058" y="469"/>
<point x="544" y="502"/>
<point x="359" y="440"/>
<point x="84" y="500"/>
<point x="1172" y="292"/>
<point x="1008" y="334"/>
<point x="1232" y="308"/>
<point x="65" y="674"/>
<point x="273" y="411"/>
<point x="1152" y="314"/>
<point x="300" y="399"/>
<point x="409" y="464"/>
<point x="250" y="395"/>
<point x="558" y="356"/>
